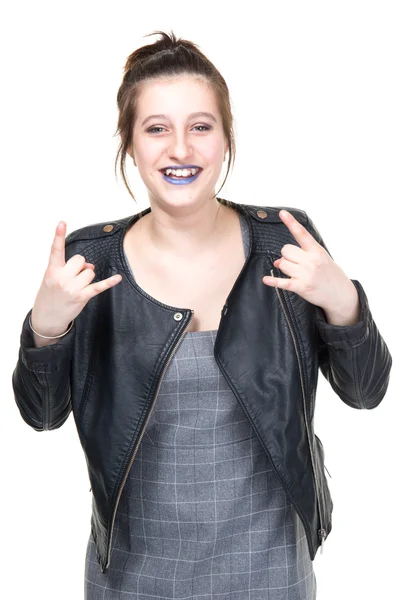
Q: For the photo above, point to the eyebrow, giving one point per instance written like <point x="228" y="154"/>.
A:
<point x="191" y="116"/>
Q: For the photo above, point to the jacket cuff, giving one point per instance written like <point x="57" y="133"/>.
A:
<point x="48" y="358"/>
<point x="346" y="336"/>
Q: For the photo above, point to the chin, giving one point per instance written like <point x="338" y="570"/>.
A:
<point x="180" y="196"/>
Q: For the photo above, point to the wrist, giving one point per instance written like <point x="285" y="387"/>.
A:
<point x="49" y="334"/>
<point x="349" y="314"/>
<point x="39" y="342"/>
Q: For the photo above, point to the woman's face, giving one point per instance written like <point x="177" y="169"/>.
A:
<point x="178" y="124"/>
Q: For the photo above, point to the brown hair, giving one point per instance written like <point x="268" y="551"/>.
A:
<point x="167" y="57"/>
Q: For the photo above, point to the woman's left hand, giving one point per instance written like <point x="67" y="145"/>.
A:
<point x="314" y="275"/>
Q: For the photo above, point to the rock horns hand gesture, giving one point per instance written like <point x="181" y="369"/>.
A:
<point x="66" y="288"/>
<point x="315" y="276"/>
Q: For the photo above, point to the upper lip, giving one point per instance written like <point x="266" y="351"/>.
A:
<point x="181" y="167"/>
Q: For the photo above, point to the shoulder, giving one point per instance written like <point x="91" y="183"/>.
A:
<point x="96" y="231"/>
<point x="94" y="241"/>
<point x="270" y="214"/>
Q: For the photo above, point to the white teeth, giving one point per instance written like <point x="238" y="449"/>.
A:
<point x="181" y="172"/>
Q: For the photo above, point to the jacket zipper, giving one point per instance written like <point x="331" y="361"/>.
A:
<point x="140" y="439"/>
<point x="322" y="530"/>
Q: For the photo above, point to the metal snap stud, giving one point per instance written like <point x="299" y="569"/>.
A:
<point x="262" y="214"/>
<point x="108" y="228"/>
<point x="178" y="316"/>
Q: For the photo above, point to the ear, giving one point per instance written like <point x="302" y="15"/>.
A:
<point x="129" y="149"/>
<point x="131" y="154"/>
<point x="226" y="150"/>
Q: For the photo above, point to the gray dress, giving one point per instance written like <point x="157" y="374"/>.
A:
<point x="203" y="514"/>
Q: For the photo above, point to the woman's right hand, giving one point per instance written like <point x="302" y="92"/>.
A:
<point x="65" y="289"/>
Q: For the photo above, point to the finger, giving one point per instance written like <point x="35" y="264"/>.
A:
<point x="84" y="278"/>
<point x="294" y="253"/>
<point x="57" y="253"/>
<point x="74" y="265"/>
<point x="279" y="282"/>
<point x="101" y="286"/>
<point x="289" y="268"/>
<point x="299" y="232"/>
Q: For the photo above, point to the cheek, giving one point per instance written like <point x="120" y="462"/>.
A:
<point x="215" y="151"/>
<point x="145" y="154"/>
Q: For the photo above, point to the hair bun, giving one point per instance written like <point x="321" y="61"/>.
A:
<point x="166" y="42"/>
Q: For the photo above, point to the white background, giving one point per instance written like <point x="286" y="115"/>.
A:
<point x="315" y="93"/>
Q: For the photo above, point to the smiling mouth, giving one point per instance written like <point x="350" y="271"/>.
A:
<point x="180" y="173"/>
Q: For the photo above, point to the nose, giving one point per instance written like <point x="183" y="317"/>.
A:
<point x="180" y="148"/>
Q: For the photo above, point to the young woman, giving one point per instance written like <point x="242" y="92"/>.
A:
<point x="186" y="339"/>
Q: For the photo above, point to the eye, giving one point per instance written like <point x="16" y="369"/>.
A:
<point x="204" y="127"/>
<point x="154" y="129"/>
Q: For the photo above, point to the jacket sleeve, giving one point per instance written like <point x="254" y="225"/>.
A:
<point x="41" y="380"/>
<point x="353" y="358"/>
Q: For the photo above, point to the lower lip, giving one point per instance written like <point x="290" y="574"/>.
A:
<point x="182" y="181"/>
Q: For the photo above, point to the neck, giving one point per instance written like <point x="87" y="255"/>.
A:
<point x="184" y="233"/>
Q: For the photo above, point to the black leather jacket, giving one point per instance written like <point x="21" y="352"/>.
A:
<point x="269" y="346"/>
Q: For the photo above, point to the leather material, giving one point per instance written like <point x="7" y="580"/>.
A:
<point x="270" y="347"/>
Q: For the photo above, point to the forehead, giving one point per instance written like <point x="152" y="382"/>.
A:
<point x="175" y="96"/>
